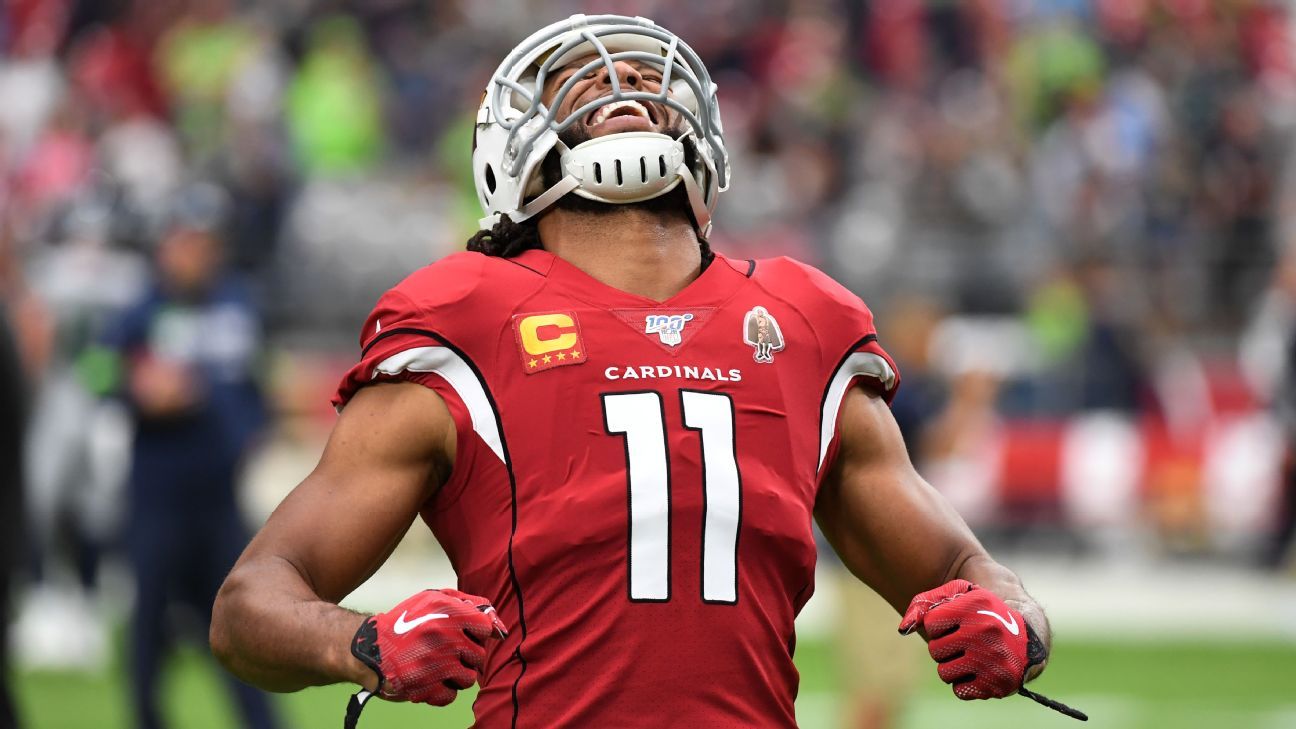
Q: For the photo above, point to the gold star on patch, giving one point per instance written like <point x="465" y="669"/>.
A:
<point x="561" y="356"/>
<point x="532" y="363"/>
<point x="547" y="359"/>
<point x="576" y="354"/>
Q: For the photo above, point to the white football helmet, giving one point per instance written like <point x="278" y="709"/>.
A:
<point x="516" y="131"/>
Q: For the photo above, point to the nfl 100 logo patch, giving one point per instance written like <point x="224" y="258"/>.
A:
<point x="669" y="327"/>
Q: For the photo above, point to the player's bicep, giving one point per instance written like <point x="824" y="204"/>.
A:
<point x="391" y="447"/>
<point x="890" y="527"/>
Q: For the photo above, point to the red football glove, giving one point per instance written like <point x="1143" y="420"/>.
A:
<point x="979" y="642"/>
<point x="428" y="647"/>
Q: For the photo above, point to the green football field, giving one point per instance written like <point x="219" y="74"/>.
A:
<point x="1160" y="684"/>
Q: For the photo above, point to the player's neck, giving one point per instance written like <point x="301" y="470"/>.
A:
<point x="637" y="251"/>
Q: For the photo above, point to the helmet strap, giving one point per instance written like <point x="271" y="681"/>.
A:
<point x="536" y="206"/>
<point x="548" y="197"/>
<point x="697" y="201"/>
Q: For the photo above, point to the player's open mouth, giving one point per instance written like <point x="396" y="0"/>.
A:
<point x="619" y="108"/>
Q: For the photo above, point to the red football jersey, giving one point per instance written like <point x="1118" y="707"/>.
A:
<point x="635" y="481"/>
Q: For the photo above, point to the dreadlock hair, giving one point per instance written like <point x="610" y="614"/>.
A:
<point x="506" y="238"/>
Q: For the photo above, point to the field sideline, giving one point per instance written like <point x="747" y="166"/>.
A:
<point x="1224" y="656"/>
<point x="1123" y="685"/>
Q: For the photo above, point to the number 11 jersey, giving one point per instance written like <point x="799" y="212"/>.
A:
<point x="634" y="481"/>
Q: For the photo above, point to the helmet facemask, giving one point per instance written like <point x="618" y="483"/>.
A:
<point x="516" y="130"/>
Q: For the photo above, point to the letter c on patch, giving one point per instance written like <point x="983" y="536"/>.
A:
<point x="545" y="333"/>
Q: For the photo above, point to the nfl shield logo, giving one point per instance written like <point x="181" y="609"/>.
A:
<point x="669" y="327"/>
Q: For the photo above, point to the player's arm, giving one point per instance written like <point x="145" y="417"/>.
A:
<point x="276" y="623"/>
<point x="893" y="530"/>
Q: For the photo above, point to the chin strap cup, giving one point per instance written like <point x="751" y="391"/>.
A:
<point x="618" y="169"/>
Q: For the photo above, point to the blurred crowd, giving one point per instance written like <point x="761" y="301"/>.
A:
<point x="1085" y="163"/>
<point x="1074" y="219"/>
<point x="1112" y="175"/>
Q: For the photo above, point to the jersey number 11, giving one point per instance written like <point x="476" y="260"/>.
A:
<point x="640" y="417"/>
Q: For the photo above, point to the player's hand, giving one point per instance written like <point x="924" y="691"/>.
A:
<point x="429" y="647"/>
<point x="162" y="388"/>
<point x="978" y="641"/>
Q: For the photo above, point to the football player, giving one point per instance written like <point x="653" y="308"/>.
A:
<point x="629" y="515"/>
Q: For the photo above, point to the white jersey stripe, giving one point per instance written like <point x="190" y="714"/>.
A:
<point x="444" y="362"/>
<point x="859" y="364"/>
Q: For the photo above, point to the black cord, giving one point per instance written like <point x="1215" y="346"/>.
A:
<point x="1036" y="653"/>
<point x="364" y="646"/>
<point x="354" y="707"/>
<point x="1054" y="705"/>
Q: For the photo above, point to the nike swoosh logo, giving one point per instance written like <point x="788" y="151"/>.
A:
<point x="1010" y="623"/>
<point x="402" y="626"/>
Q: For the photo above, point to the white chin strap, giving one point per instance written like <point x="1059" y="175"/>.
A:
<point x="625" y="168"/>
<point x="621" y="168"/>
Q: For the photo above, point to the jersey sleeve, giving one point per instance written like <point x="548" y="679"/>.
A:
<point x="402" y="340"/>
<point x="395" y="326"/>
<point x="865" y="363"/>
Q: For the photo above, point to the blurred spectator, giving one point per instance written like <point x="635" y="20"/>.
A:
<point x="335" y="102"/>
<point x="54" y="170"/>
<point x="911" y="324"/>
<point x="880" y="686"/>
<point x="198" y="60"/>
<point x="1109" y="369"/>
<point x="13" y="414"/>
<point x="188" y="353"/>
<point x="958" y="448"/>
<point x="81" y="280"/>
<point x="1268" y="355"/>
<point x="1239" y="189"/>
<point x="112" y="71"/>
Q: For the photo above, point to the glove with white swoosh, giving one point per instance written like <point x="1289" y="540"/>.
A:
<point x="977" y="640"/>
<point x="983" y="648"/>
<point x="429" y="647"/>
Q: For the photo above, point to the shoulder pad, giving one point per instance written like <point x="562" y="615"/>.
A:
<point x="809" y="288"/>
